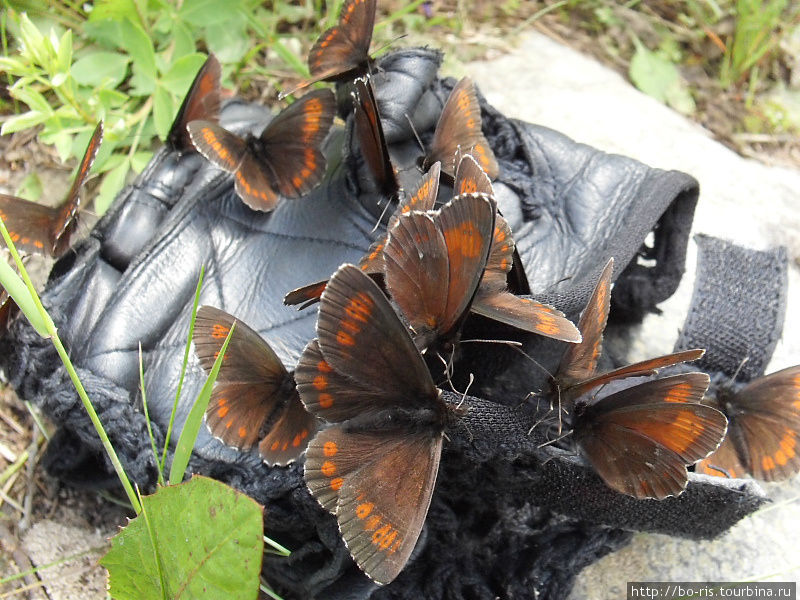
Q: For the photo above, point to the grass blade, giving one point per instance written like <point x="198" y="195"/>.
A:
<point x="147" y="418"/>
<point x="183" y="368"/>
<point x="191" y="427"/>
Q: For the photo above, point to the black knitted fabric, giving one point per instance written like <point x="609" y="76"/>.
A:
<point x="738" y="306"/>
<point x="508" y="519"/>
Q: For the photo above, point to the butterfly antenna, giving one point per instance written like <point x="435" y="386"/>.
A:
<point x="383" y="214"/>
<point x="389" y="43"/>
<point x="739" y="368"/>
<point x="533" y="360"/>
<point x="414" y="131"/>
<point x="543" y="419"/>
<point x="554" y="440"/>
<point x="464" y="395"/>
<point x="721" y="470"/>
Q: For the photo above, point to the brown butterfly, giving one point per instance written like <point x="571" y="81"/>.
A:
<point x="434" y="263"/>
<point x="369" y="133"/>
<point x="459" y="128"/>
<point x="372" y="262"/>
<point x="251" y="388"/>
<point x="202" y="101"/>
<point x="286" y="160"/>
<point x="341" y="53"/>
<point x="763" y="429"/>
<point x="641" y="439"/>
<point x="7" y="310"/>
<point x="44" y="229"/>
<point x="375" y="467"/>
<point x="577" y="371"/>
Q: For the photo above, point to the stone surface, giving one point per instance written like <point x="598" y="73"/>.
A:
<point x="80" y="578"/>
<point x="742" y="200"/>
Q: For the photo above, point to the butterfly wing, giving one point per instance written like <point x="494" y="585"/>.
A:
<point x="344" y="48"/>
<point x="362" y="337"/>
<point x="221" y="147"/>
<point x="640" y="440"/>
<point x="383" y="505"/>
<point x="766" y="423"/>
<point x="580" y="360"/>
<point x="528" y="315"/>
<point x="7" y="310"/>
<point x="47" y="230"/>
<point x="724" y="462"/>
<point x="291" y="144"/>
<point x="371" y="140"/>
<point x="202" y="102"/>
<point x="289" y="435"/>
<point x="644" y="368"/>
<point x="459" y="127"/>
<point x="250" y="384"/>
<point x="417" y="273"/>
<point x="470" y="177"/>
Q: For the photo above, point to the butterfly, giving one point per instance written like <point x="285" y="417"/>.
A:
<point x="44" y="229"/>
<point x="641" y="439"/>
<point x="459" y="128"/>
<point x="286" y="160"/>
<point x="251" y="388"/>
<point x="341" y="53"/>
<point x="369" y="133"/>
<point x="375" y="467"/>
<point x="577" y="370"/>
<point x="372" y="262"/>
<point x="7" y="310"/>
<point x="434" y="262"/>
<point x="202" y="101"/>
<point x="763" y="429"/>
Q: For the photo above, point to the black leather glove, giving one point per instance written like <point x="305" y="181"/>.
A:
<point x="497" y="523"/>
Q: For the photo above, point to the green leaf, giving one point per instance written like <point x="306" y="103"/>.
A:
<point x="183" y="450"/>
<point x="18" y="291"/>
<point x="200" y="539"/>
<point x="32" y="98"/>
<point x="112" y="184"/>
<point x="115" y="10"/>
<point x="30" y="188"/>
<point x="163" y="110"/>
<point x="181" y="74"/>
<point x="32" y="41"/>
<point x="14" y="66"/>
<point x="228" y="41"/>
<point x="136" y="42"/>
<point x="659" y="78"/>
<point x="101" y="68"/>
<point x="32" y="118"/>
<point x="183" y="38"/>
<point x="139" y="161"/>
<point x="202" y="13"/>
<point x="65" y="52"/>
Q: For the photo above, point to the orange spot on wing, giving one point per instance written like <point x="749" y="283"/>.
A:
<point x="320" y="382"/>
<point x="336" y="483"/>
<point x="330" y="449"/>
<point x="223" y="410"/>
<point x="242" y="432"/>
<point x="363" y="510"/>
<point x="219" y="331"/>
<point x="328" y="468"/>
<point x="464" y="240"/>
<point x="325" y="400"/>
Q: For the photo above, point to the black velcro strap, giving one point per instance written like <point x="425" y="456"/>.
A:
<point x="737" y="308"/>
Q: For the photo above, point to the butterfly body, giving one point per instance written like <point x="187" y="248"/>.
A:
<point x="764" y="432"/>
<point x="375" y="466"/>
<point x="641" y="439"/>
<point x="43" y="229"/>
<point x="286" y="160"/>
<point x="255" y="400"/>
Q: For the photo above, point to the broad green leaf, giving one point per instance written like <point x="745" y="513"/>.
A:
<point x="115" y="10"/>
<point x="196" y="540"/>
<point x="659" y="78"/>
<point x="109" y="99"/>
<point x="183" y="38"/>
<point x="163" y="110"/>
<point x="32" y="118"/>
<point x="228" y="41"/>
<point x="30" y="188"/>
<point x="113" y="182"/>
<point x="202" y="13"/>
<point x="32" y="41"/>
<point x="138" y="44"/>
<point x="139" y="161"/>
<point x="18" y="291"/>
<point x="101" y="68"/>
<point x="142" y="84"/>
<point x="181" y="74"/>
